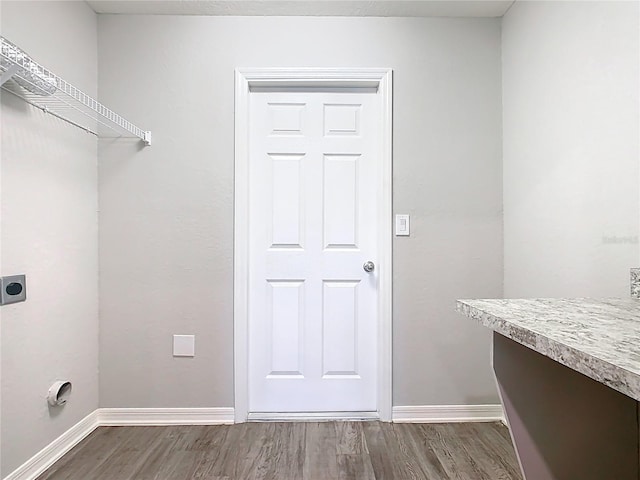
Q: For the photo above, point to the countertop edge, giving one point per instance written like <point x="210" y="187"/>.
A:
<point x="593" y="367"/>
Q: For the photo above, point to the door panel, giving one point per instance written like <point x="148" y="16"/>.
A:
<point x="339" y="329"/>
<point x="312" y="224"/>
<point x="340" y="201"/>
<point x="286" y="204"/>
<point x="286" y="317"/>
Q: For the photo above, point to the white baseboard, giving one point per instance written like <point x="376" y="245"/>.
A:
<point x="448" y="413"/>
<point x="103" y="417"/>
<point x="165" y="416"/>
<point x="46" y="457"/>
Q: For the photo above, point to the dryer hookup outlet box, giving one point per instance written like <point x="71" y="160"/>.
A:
<point x="13" y="289"/>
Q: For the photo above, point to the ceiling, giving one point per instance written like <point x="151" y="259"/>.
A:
<point x="343" y="8"/>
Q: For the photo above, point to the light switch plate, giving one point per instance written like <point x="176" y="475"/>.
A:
<point x="402" y="226"/>
<point x="184" y="345"/>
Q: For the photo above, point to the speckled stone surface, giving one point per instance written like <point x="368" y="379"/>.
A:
<point x="635" y="282"/>
<point x="597" y="337"/>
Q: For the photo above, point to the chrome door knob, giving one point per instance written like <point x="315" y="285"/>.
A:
<point x="369" y="266"/>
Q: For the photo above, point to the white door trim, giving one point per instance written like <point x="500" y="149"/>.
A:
<point x="247" y="79"/>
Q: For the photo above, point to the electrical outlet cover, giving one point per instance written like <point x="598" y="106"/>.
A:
<point x="13" y="289"/>
<point x="184" y="345"/>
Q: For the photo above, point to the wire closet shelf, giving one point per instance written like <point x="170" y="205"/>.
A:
<point x="23" y="77"/>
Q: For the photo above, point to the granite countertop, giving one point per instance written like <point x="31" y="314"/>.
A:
<point x="597" y="337"/>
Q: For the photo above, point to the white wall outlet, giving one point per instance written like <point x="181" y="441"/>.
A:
<point x="402" y="225"/>
<point x="184" y="345"/>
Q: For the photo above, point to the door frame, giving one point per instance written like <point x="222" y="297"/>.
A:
<point x="247" y="79"/>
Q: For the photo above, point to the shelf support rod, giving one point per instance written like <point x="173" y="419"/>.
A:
<point x="10" y="72"/>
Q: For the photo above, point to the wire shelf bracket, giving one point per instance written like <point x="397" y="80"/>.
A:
<point x="43" y="89"/>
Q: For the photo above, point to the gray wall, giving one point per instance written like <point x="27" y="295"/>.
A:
<point x="166" y="212"/>
<point x="1" y="269"/>
<point x="571" y="176"/>
<point x="50" y="232"/>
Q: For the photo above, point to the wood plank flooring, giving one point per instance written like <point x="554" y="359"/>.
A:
<point x="293" y="451"/>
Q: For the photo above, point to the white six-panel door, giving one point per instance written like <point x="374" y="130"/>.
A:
<point x="313" y="166"/>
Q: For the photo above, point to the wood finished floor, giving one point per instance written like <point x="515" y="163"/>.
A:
<point x="292" y="451"/>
